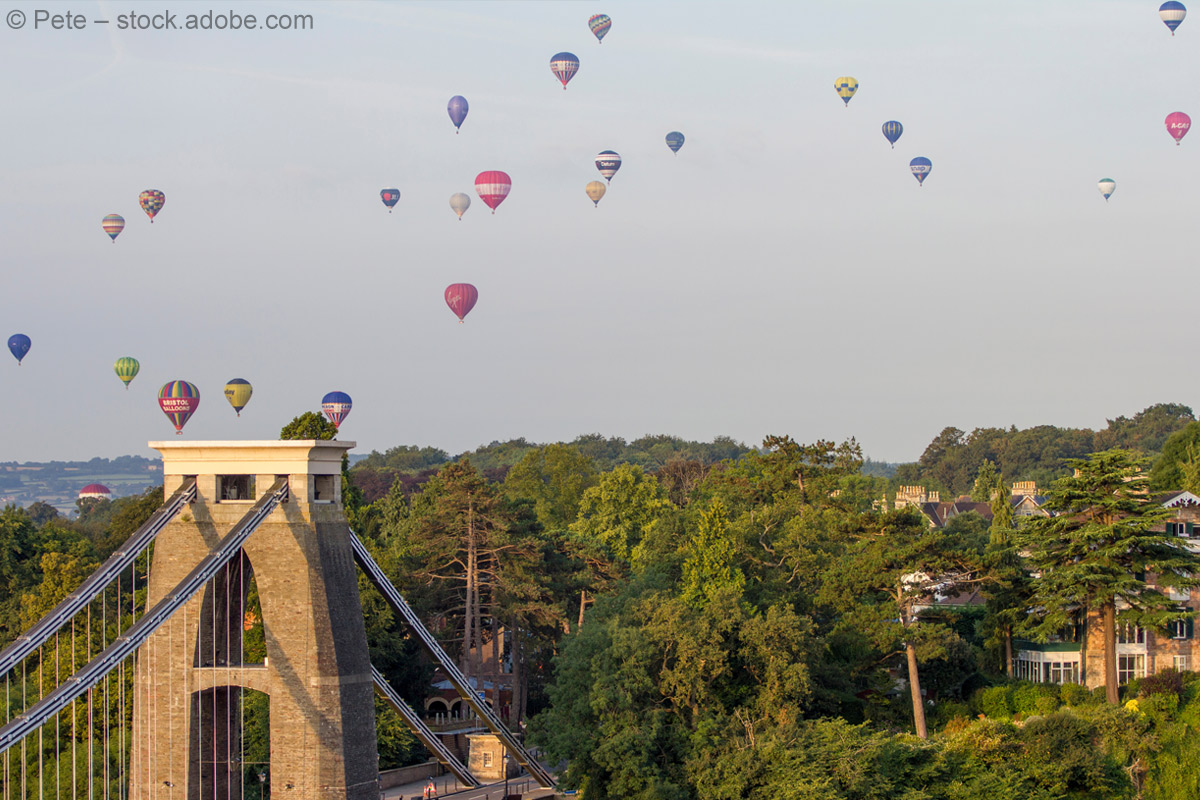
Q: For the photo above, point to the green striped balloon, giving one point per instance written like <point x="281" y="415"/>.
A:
<point x="127" y="369"/>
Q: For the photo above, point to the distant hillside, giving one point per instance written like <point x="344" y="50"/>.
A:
<point x="58" y="482"/>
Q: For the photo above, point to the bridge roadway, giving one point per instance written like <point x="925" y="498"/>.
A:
<point x="524" y="785"/>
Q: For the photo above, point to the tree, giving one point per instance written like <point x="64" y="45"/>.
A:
<point x="1178" y="467"/>
<point x="987" y="483"/>
<point x="309" y="425"/>
<point x="710" y="567"/>
<point x="1095" y="553"/>
<point x="554" y="477"/>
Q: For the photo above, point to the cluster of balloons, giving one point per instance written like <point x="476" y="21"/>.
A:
<point x="920" y="166"/>
<point x="151" y="201"/>
<point x="179" y="400"/>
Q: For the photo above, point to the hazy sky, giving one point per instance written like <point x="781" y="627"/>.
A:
<point x="783" y="274"/>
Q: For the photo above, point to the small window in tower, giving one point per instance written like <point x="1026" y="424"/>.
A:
<point x="324" y="488"/>
<point x="235" y="488"/>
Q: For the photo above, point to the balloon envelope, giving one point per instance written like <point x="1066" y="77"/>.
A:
<point x="921" y="168"/>
<point x="461" y="298"/>
<point x="608" y="162"/>
<point x="336" y="406"/>
<point x="892" y="131"/>
<point x="113" y="224"/>
<point x="238" y="392"/>
<point x="152" y="201"/>
<point x="1107" y="186"/>
<point x="1172" y="13"/>
<point x="459" y="203"/>
<point x="595" y="190"/>
<point x="389" y="197"/>
<point x="178" y="400"/>
<point x="127" y="368"/>
<point x="564" y="66"/>
<point x="492" y="187"/>
<point x="674" y="141"/>
<point x="846" y="87"/>
<point x="1177" y="125"/>
<point x="600" y="23"/>
<point x="457" y="108"/>
<point x="18" y="345"/>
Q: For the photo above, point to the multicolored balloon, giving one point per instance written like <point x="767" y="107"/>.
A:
<point x="595" y="190"/>
<point x="238" y="392"/>
<point x="152" y="201"/>
<point x="600" y="23"/>
<point x="336" y="406"/>
<point x="457" y="108"/>
<point x="389" y="197"/>
<point x="564" y="66"/>
<point x="459" y="203"/>
<point x="1172" y="13"/>
<point x="921" y="167"/>
<point x="179" y="400"/>
<point x="892" y="131"/>
<point x="127" y="368"/>
<point x="461" y="298"/>
<point x="846" y="87"/>
<point x="608" y="162"/>
<point x="675" y="141"/>
<point x="1178" y="124"/>
<point x="492" y="187"/>
<point x="113" y="224"/>
<point x="1107" y="186"/>
<point x="18" y="345"/>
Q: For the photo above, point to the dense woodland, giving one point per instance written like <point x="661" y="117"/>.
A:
<point x="712" y="620"/>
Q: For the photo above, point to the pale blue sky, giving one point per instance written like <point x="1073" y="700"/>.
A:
<point x="783" y="274"/>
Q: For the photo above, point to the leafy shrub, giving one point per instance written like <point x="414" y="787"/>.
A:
<point x="1075" y="694"/>
<point x="996" y="702"/>
<point x="1165" y="681"/>
<point x="949" y="711"/>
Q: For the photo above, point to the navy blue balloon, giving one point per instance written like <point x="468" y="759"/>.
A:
<point x="674" y="141"/>
<point x="458" y="110"/>
<point x="920" y="167"/>
<point x="18" y="345"/>
<point x="892" y="131"/>
<point x="336" y="406"/>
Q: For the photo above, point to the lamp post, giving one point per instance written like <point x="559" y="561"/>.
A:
<point x="504" y="764"/>
<point x="262" y="785"/>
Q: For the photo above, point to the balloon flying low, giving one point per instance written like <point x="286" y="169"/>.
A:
<point x="178" y="400"/>
<point x="152" y="201"/>
<point x="595" y="190"/>
<point x="18" y="345"/>
<point x="608" y="162"/>
<point x="459" y="203"/>
<point x="846" y="87"/>
<point x="238" y="392"/>
<point x="675" y="141"/>
<point x="1107" y="186"/>
<point x="389" y="197"/>
<point x="1177" y="124"/>
<point x="564" y="66"/>
<point x="461" y="298"/>
<point x="336" y="406"/>
<point x="457" y="109"/>
<point x="600" y="23"/>
<point x="113" y="224"/>
<point x="1172" y="13"/>
<point x="492" y="187"/>
<point x="892" y="131"/>
<point x="127" y="368"/>
<point x="921" y="168"/>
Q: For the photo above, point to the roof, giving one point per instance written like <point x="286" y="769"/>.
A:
<point x="1177" y="499"/>
<point x="94" y="488"/>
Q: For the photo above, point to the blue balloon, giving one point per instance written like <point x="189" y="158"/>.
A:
<point x="674" y="141"/>
<point x="892" y="131"/>
<point x="336" y="406"/>
<point x="18" y="345"/>
<point x="920" y="167"/>
<point x="1172" y="13"/>
<point x="458" y="110"/>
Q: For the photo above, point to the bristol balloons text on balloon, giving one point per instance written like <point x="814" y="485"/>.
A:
<point x="127" y="368"/>
<point x="113" y="224"/>
<point x="564" y="66"/>
<point x="336" y="406"/>
<point x="1178" y="124"/>
<point x="457" y="108"/>
<point x="179" y="400"/>
<point x="152" y="201"/>
<point x="18" y="345"/>
<point x="461" y="297"/>
<point x="492" y="187"/>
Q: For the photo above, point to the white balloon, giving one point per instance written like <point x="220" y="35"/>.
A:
<point x="460" y="202"/>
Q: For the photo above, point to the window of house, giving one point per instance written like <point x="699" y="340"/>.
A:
<point x="1180" y="629"/>
<point x="1131" y="634"/>
<point x="1181" y="529"/>
<point x="233" y="488"/>
<point x="1064" y="672"/>
<point x="1130" y="667"/>
<point x="1181" y="663"/>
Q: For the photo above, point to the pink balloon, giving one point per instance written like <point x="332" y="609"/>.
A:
<point x="1178" y="124"/>
<point x="461" y="298"/>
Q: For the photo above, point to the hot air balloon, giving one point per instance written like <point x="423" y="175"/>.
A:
<point x="461" y="298"/>
<point x="238" y="392"/>
<point x="595" y="190"/>
<point x="127" y="369"/>
<point x="1178" y="124"/>
<point x="921" y="168"/>
<point x="492" y="187"/>
<point x="152" y="201"/>
<point x="608" y="162"/>
<point x="675" y="141"/>
<point x="336" y="406"/>
<point x="1172" y="13"/>
<point x="892" y="131"/>
<point x="1107" y="186"/>
<point x="846" y="87"/>
<point x="457" y="108"/>
<point x="178" y="400"/>
<point x="18" y="345"/>
<point x="113" y="224"/>
<point x="389" y="197"/>
<point x="459" y="203"/>
<point x="600" y="23"/>
<point x="564" y="66"/>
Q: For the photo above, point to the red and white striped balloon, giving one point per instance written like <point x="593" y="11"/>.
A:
<point x="493" y="186"/>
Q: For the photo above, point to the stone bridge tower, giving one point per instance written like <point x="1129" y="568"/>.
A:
<point x="192" y="676"/>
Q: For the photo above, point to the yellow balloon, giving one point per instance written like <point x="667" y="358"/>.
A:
<point x="846" y="87"/>
<point x="595" y="190"/>
<point x="238" y="392"/>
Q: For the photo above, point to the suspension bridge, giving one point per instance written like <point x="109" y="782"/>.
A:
<point x="220" y="653"/>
